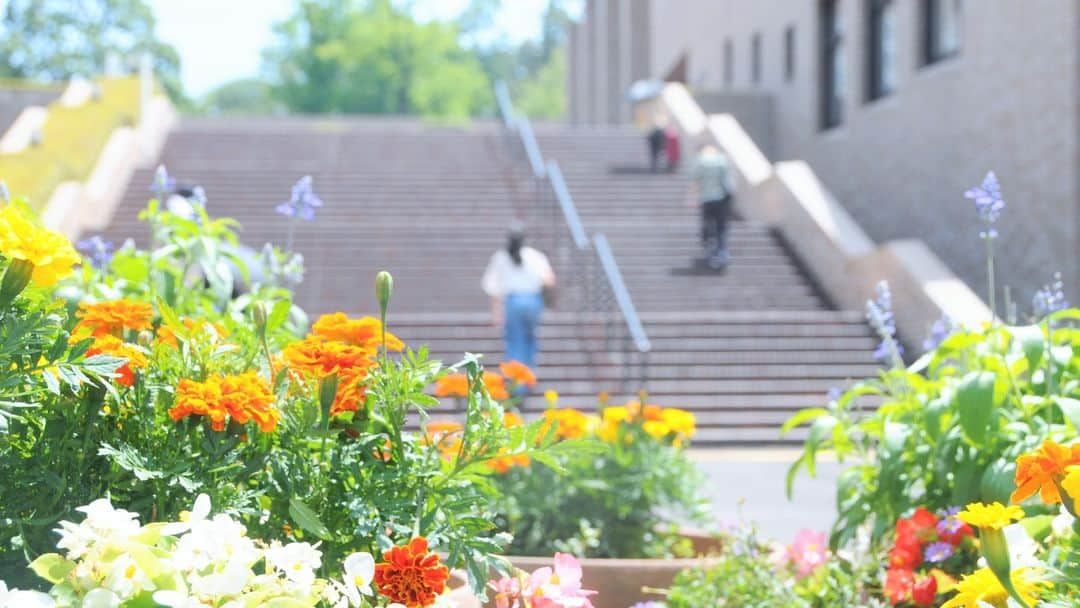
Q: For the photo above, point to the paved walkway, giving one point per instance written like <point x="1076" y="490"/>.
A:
<point x="755" y="478"/>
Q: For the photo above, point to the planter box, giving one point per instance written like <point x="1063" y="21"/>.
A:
<point x="618" y="582"/>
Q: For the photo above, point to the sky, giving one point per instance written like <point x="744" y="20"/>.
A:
<point x="222" y="40"/>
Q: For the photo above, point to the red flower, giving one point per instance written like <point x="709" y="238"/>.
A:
<point x="922" y="525"/>
<point x="411" y="575"/>
<point x="898" y="584"/>
<point x="907" y="554"/>
<point x="925" y="591"/>
<point x="955" y="532"/>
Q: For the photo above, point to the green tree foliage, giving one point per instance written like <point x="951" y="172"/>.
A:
<point x="373" y="57"/>
<point x="56" y="39"/>
<point x="246" y="96"/>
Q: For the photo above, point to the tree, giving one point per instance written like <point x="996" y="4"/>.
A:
<point x="58" y="39"/>
<point x="372" y="57"/>
<point x="245" y="96"/>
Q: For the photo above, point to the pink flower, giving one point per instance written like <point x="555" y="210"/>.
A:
<point x="558" y="587"/>
<point x="808" y="552"/>
<point x="507" y="592"/>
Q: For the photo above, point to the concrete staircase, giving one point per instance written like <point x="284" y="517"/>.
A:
<point x="743" y="350"/>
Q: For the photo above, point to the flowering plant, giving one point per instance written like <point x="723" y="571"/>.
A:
<point x="558" y="586"/>
<point x="929" y="551"/>
<point x="621" y="500"/>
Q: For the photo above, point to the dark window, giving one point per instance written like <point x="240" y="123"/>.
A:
<point x="941" y="29"/>
<point x="789" y="53"/>
<point x="755" y="58"/>
<point x="881" y="48"/>
<point x="729" y="62"/>
<point x="832" y="65"/>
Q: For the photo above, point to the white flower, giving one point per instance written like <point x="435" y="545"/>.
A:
<point x="229" y="582"/>
<point x="13" y="598"/>
<point x="188" y="519"/>
<point x="102" y="523"/>
<point x="1062" y="524"/>
<point x="219" y="540"/>
<point x="177" y="599"/>
<point x="297" y="561"/>
<point x="359" y="572"/>
<point x="101" y="598"/>
<point x="127" y="578"/>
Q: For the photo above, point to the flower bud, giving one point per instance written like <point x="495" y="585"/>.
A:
<point x="145" y="338"/>
<point x="16" y="278"/>
<point x="384" y="287"/>
<point x="328" y="387"/>
<point x="258" y="316"/>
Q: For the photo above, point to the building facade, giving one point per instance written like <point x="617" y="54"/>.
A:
<point x="898" y="105"/>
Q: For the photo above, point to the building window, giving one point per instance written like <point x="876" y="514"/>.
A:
<point x="941" y="29"/>
<point x="881" y="72"/>
<point x="832" y="64"/>
<point x="729" y="62"/>
<point x="789" y="53"/>
<point x="755" y="58"/>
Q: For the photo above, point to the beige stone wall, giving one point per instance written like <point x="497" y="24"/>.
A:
<point x="900" y="165"/>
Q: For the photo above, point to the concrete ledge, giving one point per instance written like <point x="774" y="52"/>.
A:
<point x="21" y="132"/>
<point x="835" y="250"/>
<point x="76" y="207"/>
<point x="78" y="92"/>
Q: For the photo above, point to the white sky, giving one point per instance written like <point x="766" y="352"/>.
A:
<point x="221" y="40"/>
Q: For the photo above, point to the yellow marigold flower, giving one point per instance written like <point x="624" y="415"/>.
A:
<point x="656" y="428"/>
<point x="993" y="516"/>
<point x="1071" y="484"/>
<point x="617" y="414"/>
<point x="551" y="397"/>
<point x="983" y="586"/>
<point x="243" y="398"/>
<point x="365" y="332"/>
<point x="1041" y="471"/>
<point x="50" y="252"/>
<point x="111" y="317"/>
<point x="681" y="422"/>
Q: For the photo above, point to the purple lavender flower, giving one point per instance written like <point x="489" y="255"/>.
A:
<point x="884" y="350"/>
<point x="880" y="316"/>
<point x="988" y="202"/>
<point x="97" y="249"/>
<point x="198" y="196"/>
<point x="950" y="512"/>
<point x="303" y="203"/>
<point x="1051" y="298"/>
<point x="834" y="394"/>
<point x="938" y="552"/>
<point x="163" y="183"/>
<point x="941" y="329"/>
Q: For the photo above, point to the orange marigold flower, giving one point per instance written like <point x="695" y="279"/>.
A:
<point x="502" y="464"/>
<point x="243" y="398"/>
<point x="444" y="435"/>
<point x="115" y="347"/>
<point x="457" y="385"/>
<point x="453" y="385"/>
<point x="518" y="373"/>
<point x="365" y="332"/>
<point x="411" y="575"/>
<point x="569" y="423"/>
<point x="196" y="327"/>
<point x="316" y="358"/>
<point x="1042" y="470"/>
<point x="110" y="318"/>
<point x="350" y="394"/>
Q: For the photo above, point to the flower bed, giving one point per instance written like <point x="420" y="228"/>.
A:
<point x="146" y="379"/>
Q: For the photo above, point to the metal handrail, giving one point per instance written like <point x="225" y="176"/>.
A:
<point x="622" y="295"/>
<point x="566" y="203"/>
<point x="506" y="106"/>
<point x="532" y="149"/>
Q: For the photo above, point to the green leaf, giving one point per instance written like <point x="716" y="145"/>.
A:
<point x="801" y="418"/>
<point x="52" y="567"/>
<point x="1032" y="341"/>
<point x="51" y="382"/>
<point x="307" y="519"/>
<point x="278" y="315"/>
<point x="1071" y="408"/>
<point x="1038" y="527"/>
<point x="168" y="315"/>
<point x="998" y="482"/>
<point x="975" y="403"/>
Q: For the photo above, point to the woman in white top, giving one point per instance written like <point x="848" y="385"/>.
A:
<point x="515" y="280"/>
